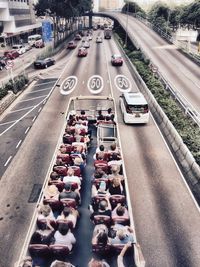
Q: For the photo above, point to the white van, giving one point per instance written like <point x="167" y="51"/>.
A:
<point x="33" y="38"/>
<point x="134" y="108"/>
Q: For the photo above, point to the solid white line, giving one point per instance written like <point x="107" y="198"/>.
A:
<point x="39" y="110"/>
<point x="34" y="118"/>
<point x="27" y="130"/>
<point x="6" y="123"/>
<point x="39" y="90"/>
<point x="17" y="110"/>
<point x="18" y="143"/>
<point x="44" y="101"/>
<point x="33" y="98"/>
<point x="7" y="161"/>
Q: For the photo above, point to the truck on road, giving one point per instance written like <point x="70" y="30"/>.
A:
<point x="107" y="33"/>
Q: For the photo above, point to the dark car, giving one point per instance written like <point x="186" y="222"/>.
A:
<point x="117" y="60"/>
<point x="82" y="52"/>
<point x="2" y="62"/>
<point x="39" y="44"/>
<point x="71" y="45"/>
<point x="11" y="54"/>
<point x="44" y="63"/>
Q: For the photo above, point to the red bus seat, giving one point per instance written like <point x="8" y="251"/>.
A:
<point x="63" y="221"/>
<point x="102" y="219"/>
<point x="59" y="251"/>
<point x="59" y="184"/>
<point x="38" y="250"/>
<point x="69" y="202"/>
<point x="53" y="203"/>
<point x="115" y="199"/>
<point x="61" y="170"/>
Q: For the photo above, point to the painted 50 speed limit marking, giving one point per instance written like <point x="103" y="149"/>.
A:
<point x="122" y="83"/>
<point x="95" y="84"/>
<point x="68" y="85"/>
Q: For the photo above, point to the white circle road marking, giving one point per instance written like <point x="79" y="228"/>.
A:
<point x="95" y="84"/>
<point x="122" y="83"/>
<point x="68" y="85"/>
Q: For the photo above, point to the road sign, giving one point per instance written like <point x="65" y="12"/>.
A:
<point x="46" y="31"/>
<point x="68" y="85"/>
<point x="122" y="83"/>
<point x="9" y="64"/>
<point x="95" y="84"/>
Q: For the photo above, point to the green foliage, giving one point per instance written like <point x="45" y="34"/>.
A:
<point x="187" y="129"/>
<point x="133" y="7"/>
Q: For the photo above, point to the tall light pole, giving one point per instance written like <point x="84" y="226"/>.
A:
<point x="126" y="37"/>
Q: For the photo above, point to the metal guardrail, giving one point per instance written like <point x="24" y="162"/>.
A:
<point x="184" y="103"/>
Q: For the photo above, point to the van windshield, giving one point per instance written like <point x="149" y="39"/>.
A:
<point x="137" y="108"/>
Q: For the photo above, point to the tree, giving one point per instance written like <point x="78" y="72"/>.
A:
<point x="191" y="15"/>
<point x="133" y="7"/>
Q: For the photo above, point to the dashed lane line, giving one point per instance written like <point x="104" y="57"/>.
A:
<point x="7" y="161"/>
<point x="18" y="144"/>
<point x="33" y="98"/>
<point x="39" y="109"/>
<point x="34" y="118"/>
<point x="27" y="130"/>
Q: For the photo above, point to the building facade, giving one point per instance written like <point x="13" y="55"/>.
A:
<point x="110" y="5"/>
<point x="17" y="18"/>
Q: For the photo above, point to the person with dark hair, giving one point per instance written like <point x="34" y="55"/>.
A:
<point x="104" y="208"/>
<point x="120" y="211"/>
<point x="115" y="186"/>
<point x="63" y="236"/>
<point x="69" y="214"/>
<point x="100" y="117"/>
<point x="68" y="193"/>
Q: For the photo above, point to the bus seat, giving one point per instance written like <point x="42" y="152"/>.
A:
<point x="102" y="219"/>
<point x="69" y="223"/>
<point x="99" y="249"/>
<point x="53" y="203"/>
<point x="61" y="170"/>
<point x="69" y="202"/>
<point x="65" y="158"/>
<point x="68" y="139"/>
<point x="59" y="251"/>
<point x="38" y="250"/>
<point x="97" y="182"/>
<point x="115" y="199"/>
<point x="121" y="220"/>
<point x="96" y="199"/>
<point x="59" y="184"/>
<point x="101" y="164"/>
<point x="41" y="222"/>
<point x="77" y="170"/>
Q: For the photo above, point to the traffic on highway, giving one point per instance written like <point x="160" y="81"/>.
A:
<point x="86" y="175"/>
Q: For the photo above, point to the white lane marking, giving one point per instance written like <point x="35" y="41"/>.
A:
<point x="39" y="110"/>
<point x="67" y="65"/>
<point x="34" y="118"/>
<point x="17" y="110"/>
<point x="44" y="101"/>
<point x="4" y="123"/>
<point x="38" y="91"/>
<point x="33" y="98"/>
<point x="7" y="161"/>
<point x="83" y="82"/>
<point x="27" y="130"/>
<point x="18" y="144"/>
<point x="39" y="84"/>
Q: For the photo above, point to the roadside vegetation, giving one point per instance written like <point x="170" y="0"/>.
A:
<point x="169" y="18"/>
<point x="15" y="86"/>
<point x="187" y="129"/>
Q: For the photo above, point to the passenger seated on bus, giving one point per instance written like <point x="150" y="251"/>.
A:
<point x="114" y="149"/>
<point x="26" y="262"/>
<point x="51" y="192"/>
<point x="104" y="208"/>
<point x="115" y="187"/>
<point x="99" y="151"/>
<point x="45" y="212"/>
<point x="71" y="178"/>
<point x="70" y="129"/>
<point x="82" y="116"/>
<point x="68" y="193"/>
<point x="57" y="263"/>
<point x="100" y="117"/>
<point x="122" y="253"/>
<point x="100" y="239"/>
<point x="101" y="191"/>
<point x="115" y="160"/>
<point x="124" y="234"/>
<point x="55" y="176"/>
<point x="98" y="263"/>
<point x="101" y="163"/>
<point x="80" y="162"/>
<point x="71" y="120"/>
<point x="120" y="211"/>
<point x="59" y="162"/>
<point x="69" y="214"/>
<point x="63" y="236"/>
<point x="115" y="173"/>
<point x="99" y="173"/>
<point x="108" y="115"/>
<point x="43" y="235"/>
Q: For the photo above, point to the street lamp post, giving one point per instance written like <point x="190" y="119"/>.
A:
<point x="126" y="37"/>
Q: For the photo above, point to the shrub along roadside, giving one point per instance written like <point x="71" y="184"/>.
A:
<point x="185" y="126"/>
<point x="18" y="85"/>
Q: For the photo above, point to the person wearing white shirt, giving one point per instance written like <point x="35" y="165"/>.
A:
<point x="63" y="236"/>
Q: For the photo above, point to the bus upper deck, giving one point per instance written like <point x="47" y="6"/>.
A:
<point x="83" y="216"/>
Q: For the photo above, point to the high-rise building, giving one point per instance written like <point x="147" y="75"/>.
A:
<point x="16" y="17"/>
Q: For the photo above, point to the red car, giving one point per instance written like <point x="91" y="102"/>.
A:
<point x="39" y="44"/>
<point x="116" y="60"/>
<point x="82" y="52"/>
<point x="71" y="45"/>
<point x="11" y="54"/>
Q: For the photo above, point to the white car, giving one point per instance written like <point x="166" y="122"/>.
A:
<point x="19" y="48"/>
<point x="99" y="39"/>
<point x="86" y="45"/>
<point x="90" y="37"/>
